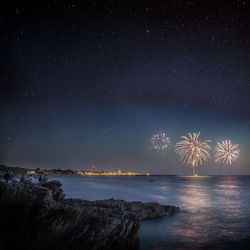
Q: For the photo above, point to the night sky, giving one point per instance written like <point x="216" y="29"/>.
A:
<point x="87" y="83"/>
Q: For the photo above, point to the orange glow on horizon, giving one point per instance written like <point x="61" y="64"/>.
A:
<point x="109" y="173"/>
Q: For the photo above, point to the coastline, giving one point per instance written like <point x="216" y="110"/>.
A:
<point x="17" y="172"/>
<point x="44" y="219"/>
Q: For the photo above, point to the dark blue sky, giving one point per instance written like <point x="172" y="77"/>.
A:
<point x="85" y="84"/>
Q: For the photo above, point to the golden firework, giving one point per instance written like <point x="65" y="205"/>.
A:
<point x="226" y="152"/>
<point x="193" y="151"/>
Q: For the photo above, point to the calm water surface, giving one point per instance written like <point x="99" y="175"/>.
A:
<point x="215" y="211"/>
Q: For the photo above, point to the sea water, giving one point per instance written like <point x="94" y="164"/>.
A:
<point x="214" y="210"/>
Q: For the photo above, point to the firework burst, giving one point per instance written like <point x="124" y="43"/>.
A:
<point x="226" y="152"/>
<point x="193" y="151"/>
<point x="160" y="141"/>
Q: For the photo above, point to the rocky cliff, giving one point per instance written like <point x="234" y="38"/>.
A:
<point x="38" y="217"/>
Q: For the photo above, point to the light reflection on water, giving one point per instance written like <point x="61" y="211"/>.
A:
<point x="215" y="211"/>
<point x="214" y="215"/>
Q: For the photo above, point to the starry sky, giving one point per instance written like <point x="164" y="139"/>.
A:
<point x="86" y="83"/>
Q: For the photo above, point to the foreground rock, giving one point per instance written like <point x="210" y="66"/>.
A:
<point x="16" y="172"/>
<point x="38" y="217"/>
<point x="55" y="187"/>
<point x="140" y="210"/>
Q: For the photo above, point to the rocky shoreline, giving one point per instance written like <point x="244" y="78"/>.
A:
<point x="38" y="217"/>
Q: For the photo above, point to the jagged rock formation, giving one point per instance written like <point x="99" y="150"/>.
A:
<point x="139" y="209"/>
<point x="38" y="217"/>
<point x="15" y="171"/>
<point x="55" y="187"/>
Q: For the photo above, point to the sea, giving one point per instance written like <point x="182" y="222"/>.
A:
<point x="214" y="210"/>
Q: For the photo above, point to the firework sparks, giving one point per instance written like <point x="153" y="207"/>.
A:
<point x="226" y="152"/>
<point x="193" y="151"/>
<point x="160" y="141"/>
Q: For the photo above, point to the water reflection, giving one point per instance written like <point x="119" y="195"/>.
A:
<point x="214" y="212"/>
<point x="227" y="191"/>
<point x="194" y="196"/>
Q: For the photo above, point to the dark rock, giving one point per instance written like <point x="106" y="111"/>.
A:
<point x="25" y="194"/>
<point x="55" y="187"/>
<point x="16" y="172"/>
<point x="141" y="210"/>
<point x="25" y="179"/>
<point x="37" y="217"/>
